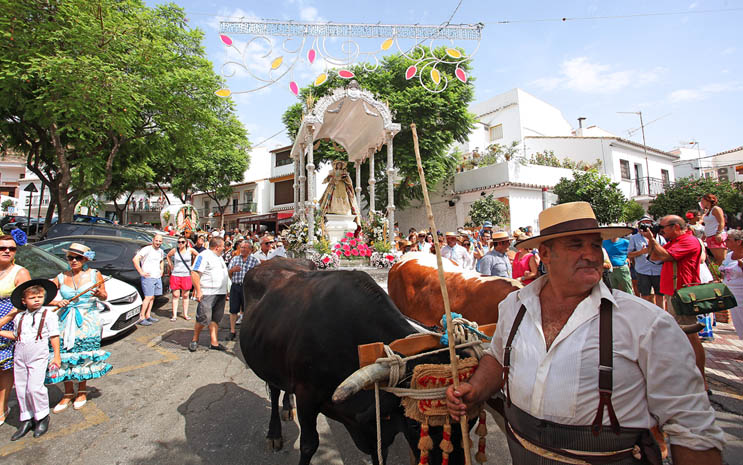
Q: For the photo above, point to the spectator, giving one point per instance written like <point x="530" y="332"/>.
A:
<point x="732" y="272"/>
<point x="404" y="246"/>
<point x="526" y="262"/>
<point x="267" y="251"/>
<point x="680" y="257"/>
<point x="228" y="252"/>
<point x="619" y="277"/>
<point x="648" y="271"/>
<point x="280" y="247"/>
<point x="180" y="259"/>
<point x="423" y="244"/>
<point x="237" y="268"/>
<point x="149" y="262"/>
<point x="469" y="263"/>
<point x="496" y="262"/>
<point x="694" y="221"/>
<point x="487" y="226"/>
<point x="714" y="227"/>
<point x="482" y="246"/>
<point x="453" y="251"/>
<point x="209" y="276"/>
<point x="199" y="245"/>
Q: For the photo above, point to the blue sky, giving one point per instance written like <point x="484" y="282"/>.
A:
<point x="685" y="68"/>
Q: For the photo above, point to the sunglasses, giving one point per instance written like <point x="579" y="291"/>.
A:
<point x="71" y="258"/>
<point x="8" y="249"/>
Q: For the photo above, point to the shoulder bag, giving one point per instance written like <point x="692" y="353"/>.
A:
<point x="699" y="299"/>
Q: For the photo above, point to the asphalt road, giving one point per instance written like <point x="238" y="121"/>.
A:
<point x="164" y="405"/>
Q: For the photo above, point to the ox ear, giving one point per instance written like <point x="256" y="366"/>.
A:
<point x="361" y="379"/>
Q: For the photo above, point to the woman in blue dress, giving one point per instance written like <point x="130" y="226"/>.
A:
<point x="80" y="328"/>
<point x="11" y="275"/>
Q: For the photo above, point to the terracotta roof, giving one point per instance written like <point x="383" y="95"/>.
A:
<point x="737" y="149"/>
<point x="281" y="149"/>
<point x="624" y="141"/>
<point x="506" y="184"/>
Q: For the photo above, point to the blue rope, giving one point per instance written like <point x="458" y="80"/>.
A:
<point x="445" y="338"/>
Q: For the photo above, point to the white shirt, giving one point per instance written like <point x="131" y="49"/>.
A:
<point x="213" y="273"/>
<point x="262" y="257"/>
<point x="456" y="253"/>
<point x="31" y="323"/>
<point x="150" y="260"/>
<point x="279" y="251"/>
<point x="654" y="371"/>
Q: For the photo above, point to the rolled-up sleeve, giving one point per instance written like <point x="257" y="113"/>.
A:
<point x="675" y="389"/>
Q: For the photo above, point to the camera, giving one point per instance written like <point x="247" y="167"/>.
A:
<point x="654" y="227"/>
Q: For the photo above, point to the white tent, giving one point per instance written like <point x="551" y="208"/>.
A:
<point x="360" y="123"/>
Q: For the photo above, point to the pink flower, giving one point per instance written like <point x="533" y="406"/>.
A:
<point x="354" y="252"/>
<point x="352" y="242"/>
<point x="347" y="253"/>
<point x="343" y="240"/>
<point x="346" y="247"/>
<point x="368" y="253"/>
<point x="338" y="252"/>
<point x="326" y="260"/>
<point x="390" y="257"/>
<point x="337" y="246"/>
<point x="349" y="234"/>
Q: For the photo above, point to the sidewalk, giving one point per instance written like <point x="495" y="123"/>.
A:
<point x="725" y="359"/>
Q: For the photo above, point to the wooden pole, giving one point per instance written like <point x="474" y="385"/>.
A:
<point x="445" y="294"/>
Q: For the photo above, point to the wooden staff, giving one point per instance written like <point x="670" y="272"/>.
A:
<point x="94" y="286"/>
<point x="445" y="294"/>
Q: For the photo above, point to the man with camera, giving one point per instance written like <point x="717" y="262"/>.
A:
<point x="680" y="257"/>
<point x="648" y="271"/>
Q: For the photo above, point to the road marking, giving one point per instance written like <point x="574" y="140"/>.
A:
<point x="92" y="416"/>
<point x="168" y="356"/>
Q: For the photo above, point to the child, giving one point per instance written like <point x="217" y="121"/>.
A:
<point x="35" y="329"/>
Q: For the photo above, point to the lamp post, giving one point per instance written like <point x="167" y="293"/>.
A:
<point x="644" y="145"/>
<point x="699" y="156"/>
<point x="31" y="188"/>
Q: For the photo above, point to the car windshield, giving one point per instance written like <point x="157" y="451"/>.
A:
<point x="39" y="263"/>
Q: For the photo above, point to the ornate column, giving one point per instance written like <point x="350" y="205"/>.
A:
<point x="302" y="184"/>
<point x="390" y="190"/>
<point x="357" y="189"/>
<point x="309" y="138"/>
<point x="372" y="181"/>
<point x="295" y="186"/>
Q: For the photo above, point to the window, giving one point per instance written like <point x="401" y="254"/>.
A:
<point x="235" y="204"/>
<point x="496" y="132"/>
<point x="248" y="196"/>
<point x="206" y="206"/>
<point x="105" y="251"/>
<point x="283" y="158"/>
<point x="22" y="176"/>
<point x="624" y="169"/>
<point x="665" y="177"/>
<point x="283" y="192"/>
<point x="722" y="174"/>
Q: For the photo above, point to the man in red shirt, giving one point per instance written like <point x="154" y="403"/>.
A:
<point x="682" y="250"/>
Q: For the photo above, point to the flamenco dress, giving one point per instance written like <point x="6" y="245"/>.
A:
<point x="80" y="336"/>
<point x="7" y="284"/>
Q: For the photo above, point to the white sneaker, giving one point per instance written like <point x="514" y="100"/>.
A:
<point x="239" y="320"/>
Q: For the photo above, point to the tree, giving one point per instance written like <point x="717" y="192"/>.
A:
<point x="440" y="119"/>
<point x="487" y="209"/>
<point x="685" y="193"/>
<point x="598" y="190"/>
<point x="633" y="211"/>
<point x="7" y="204"/>
<point x="82" y="82"/>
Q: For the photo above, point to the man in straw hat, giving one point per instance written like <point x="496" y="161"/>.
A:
<point x="453" y="251"/>
<point x="496" y="262"/>
<point x="588" y="371"/>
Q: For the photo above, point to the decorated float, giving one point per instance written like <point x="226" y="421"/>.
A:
<point x="182" y="218"/>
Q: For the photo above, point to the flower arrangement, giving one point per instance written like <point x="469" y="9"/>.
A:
<point x="350" y="248"/>
<point x="383" y="259"/>
<point x="375" y="228"/>
<point x="298" y="236"/>
<point x="323" y="261"/>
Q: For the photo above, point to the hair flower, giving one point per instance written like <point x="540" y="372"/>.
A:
<point x="19" y="236"/>
<point x="90" y="255"/>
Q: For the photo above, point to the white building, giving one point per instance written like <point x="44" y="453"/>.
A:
<point x="537" y="127"/>
<point x="693" y="162"/>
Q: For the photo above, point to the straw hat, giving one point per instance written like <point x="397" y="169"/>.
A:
<point x="451" y="234"/>
<point x="500" y="236"/>
<point x="569" y="219"/>
<point x="79" y="249"/>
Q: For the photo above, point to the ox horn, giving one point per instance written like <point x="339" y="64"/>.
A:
<point x="360" y="379"/>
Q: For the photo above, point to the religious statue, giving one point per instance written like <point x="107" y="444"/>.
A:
<point x="339" y="197"/>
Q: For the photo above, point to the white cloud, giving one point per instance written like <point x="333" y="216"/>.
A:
<point x="582" y="75"/>
<point x="690" y="95"/>
<point x="308" y="13"/>
<point x="728" y="51"/>
<point x="693" y="5"/>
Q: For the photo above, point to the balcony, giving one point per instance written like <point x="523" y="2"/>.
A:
<point x="248" y="207"/>
<point x="648" y="187"/>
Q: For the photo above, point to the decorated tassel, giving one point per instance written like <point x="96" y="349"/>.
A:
<point x="482" y="431"/>
<point x="446" y="445"/>
<point x="425" y="444"/>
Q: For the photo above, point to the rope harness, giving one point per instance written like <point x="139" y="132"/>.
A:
<point x="426" y="404"/>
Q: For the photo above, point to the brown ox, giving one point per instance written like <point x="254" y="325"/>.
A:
<point x="413" y="284"/>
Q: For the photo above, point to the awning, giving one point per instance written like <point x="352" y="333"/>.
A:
<point x="276" y="217"/>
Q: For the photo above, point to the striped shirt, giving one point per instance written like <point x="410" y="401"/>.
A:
<point x="245" y="264"/>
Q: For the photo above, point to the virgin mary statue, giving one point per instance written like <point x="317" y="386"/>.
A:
<point x="339" y="197"/>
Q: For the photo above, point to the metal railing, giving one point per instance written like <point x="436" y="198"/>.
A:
<point x="649" y="187"/>
<point x="242" y="207"/>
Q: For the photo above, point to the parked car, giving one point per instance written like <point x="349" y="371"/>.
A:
<point x="22" y="223"/>
<point x="91" y="219"/>
<point x="118" y="313"/>
<point x="113" y="255"/>
<point x="79" y="229"/>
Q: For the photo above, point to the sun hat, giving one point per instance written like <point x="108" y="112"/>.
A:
<point x="17" y="295"/>
<point x="645" y="218"/>
<point x="79" y="249"/>
<point x="499" y="236"/>
<point x="451" y="234"/>
<point x="569" y="219"/>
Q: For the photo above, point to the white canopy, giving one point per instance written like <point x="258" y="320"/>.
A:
<point x="351" y="117"/>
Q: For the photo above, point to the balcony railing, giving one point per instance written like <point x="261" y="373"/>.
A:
<point x="242" y="208"/>
<point x="648" y="187"/>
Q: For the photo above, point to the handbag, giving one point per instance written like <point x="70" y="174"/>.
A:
<point x="699" y="299"/>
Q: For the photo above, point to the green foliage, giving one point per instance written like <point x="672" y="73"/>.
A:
<point x="441" y="119"/>
<point x="632" y="212"/>
<point x="487" y="209"/>
<point x="685" y="193"/>
<point x="497" y="153"/>
<point x="92" y="204"/>
<point x="598" y="190"/>
<point x="89" y="90"/>
<point x="382" y="246"/>
<point x="6" y="205"/>
<point x="548" y="158"/>
<point x="322" y="246"/>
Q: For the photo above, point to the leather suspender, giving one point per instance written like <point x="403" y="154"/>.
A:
<point x="38" y="332"/>
<point x="606" y="352"/>
<point x="606" y="383"/>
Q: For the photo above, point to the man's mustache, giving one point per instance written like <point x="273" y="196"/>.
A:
<point x="587" y="264"/>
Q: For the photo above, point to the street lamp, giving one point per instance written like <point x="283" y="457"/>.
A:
<point x="644" y="145"/>
<point x="699" y="156"/>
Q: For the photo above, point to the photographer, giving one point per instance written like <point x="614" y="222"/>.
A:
<point x="648" y="271"/>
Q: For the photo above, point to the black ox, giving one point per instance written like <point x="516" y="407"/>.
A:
<point x="300" y="334"/>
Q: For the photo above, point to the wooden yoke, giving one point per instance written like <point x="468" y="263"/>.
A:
<point x="411" y="345"/>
